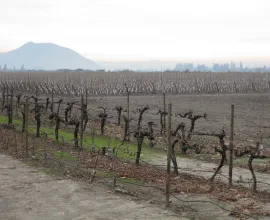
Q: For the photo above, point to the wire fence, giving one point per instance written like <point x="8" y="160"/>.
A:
<point x="94" y="120"/>
<point x="122" y="149"/>
<point x="42" y="155"/>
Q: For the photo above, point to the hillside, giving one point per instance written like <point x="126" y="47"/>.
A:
<point x="45" y="56"/>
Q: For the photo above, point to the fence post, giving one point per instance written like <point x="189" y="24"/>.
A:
<point x="235" y="87"/>
<point x="164" y="104"/>
<point x="82" y="116"/>
<point x="92" y="89"/>
<point x="128" y="120"/>
<point x="169" y="156"/>
<point x="16" y="107"/>
<point x="4" y="96"/>
<point x="86" y="97"/>
<point x="217" y="87"/>
<point x="7" y="94"/>
<point x="52" y="99"/>
<point x="11" y="108"/>
<point x="36" y="93"/>
<point x="231" y="146"/>
<point x="26" y="106"/>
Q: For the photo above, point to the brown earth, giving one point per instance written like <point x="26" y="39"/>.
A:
<point x="252" y="116"/>
<point x="24" y="185"/>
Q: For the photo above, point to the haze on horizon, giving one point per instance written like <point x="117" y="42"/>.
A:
<point x="120" y="30"/>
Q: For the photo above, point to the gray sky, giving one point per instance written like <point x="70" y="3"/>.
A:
<point x="115" y="30"/>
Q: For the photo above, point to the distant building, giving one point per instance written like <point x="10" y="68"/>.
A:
<point x="5" y="67"/>
<point x="202" y="68"/>
<point x="184" y="67"/>
<point x="221" y="67"/>
<point x="241" y="67"/>
<point x="233" y="66"/>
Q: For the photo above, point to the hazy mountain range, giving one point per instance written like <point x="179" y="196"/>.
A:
<point x="45" y="56"/>
<point x="48" y="56"/>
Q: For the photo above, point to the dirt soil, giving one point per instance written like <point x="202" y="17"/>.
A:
<point x="252" y="118"/>
<point x="241" y="176"/>
<point x="27" y="194"/>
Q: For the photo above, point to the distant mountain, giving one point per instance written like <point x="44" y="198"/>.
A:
<point x="45" y="56"/>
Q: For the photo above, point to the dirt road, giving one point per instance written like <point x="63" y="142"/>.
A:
<point x="204" y="169"/>
<point x="26" y="194"/>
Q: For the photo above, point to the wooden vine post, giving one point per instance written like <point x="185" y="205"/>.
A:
<point x="26" y="107"/>
<point x="231" y="146"/>
<point x="86" y="97"/>
<point x="4" y="96"/>
<point x="52" y="99"/>
<point x="128" y="120"/>
<point x="7" y="94"/>
<point x="11" y="108"/>
<point x="82" y="117"/>
<point x="169" y="156"/>
<point x="164" y="105"/>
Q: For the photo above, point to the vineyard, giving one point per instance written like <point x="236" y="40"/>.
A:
<point x="113" y="83"/>
<point x="115" y="125"/>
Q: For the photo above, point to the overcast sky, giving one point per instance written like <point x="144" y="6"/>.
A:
<point x="141" y="29"/>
